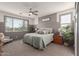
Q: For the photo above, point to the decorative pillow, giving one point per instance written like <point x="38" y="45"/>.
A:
<point x="47" y="30"/>
<point x="44" y="31"/>
<point x="40" y="32"/>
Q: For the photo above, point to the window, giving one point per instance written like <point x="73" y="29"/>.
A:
<point x="8" y="24"/>
<point x="15" y="24"/>
<point x="65" y="20"/>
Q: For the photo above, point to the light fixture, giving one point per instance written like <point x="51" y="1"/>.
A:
<point x="30" y="12"/>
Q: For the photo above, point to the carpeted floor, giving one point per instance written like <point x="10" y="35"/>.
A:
<point x="18" y="48"/>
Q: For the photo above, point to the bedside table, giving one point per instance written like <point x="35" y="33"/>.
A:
<point x="58" y="39"/>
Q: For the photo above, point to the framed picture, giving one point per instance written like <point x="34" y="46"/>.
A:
<point x="46" y="19"/>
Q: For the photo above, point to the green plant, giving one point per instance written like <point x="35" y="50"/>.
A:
<point x="68" y="35"/>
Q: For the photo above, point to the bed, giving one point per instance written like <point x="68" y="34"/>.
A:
<point x="39" y="41"/>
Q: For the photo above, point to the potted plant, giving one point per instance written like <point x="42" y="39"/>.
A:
<point x="68" y="36"/>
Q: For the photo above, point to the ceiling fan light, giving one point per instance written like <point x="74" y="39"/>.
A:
<point x="30" y="14"/>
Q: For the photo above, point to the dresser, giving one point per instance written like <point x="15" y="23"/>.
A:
<point x="58" y="39"/>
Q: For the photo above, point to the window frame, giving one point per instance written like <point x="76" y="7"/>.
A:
<point x="65" y="14"/>
<point x="12" y="23"/>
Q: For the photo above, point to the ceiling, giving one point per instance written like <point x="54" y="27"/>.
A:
<point x="44" y="8"/>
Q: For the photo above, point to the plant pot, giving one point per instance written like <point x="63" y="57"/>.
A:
<point x="66" y="44"/>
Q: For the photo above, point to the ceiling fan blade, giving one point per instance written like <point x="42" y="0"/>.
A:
<point x="35" y="14"/>
<point x="36" y="11"/>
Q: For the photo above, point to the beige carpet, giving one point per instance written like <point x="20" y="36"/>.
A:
<point x="18" y="48"/>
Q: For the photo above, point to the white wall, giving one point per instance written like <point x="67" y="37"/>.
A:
<point x="36" y="20"/>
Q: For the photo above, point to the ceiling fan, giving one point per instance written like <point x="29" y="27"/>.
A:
<point x="31" y="12"/>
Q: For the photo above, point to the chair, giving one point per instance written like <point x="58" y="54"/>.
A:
<point x="1" y="38"/>
<point x="1" y="41"/>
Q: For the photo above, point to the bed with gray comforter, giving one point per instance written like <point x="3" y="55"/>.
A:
<point x="38" y="40"/>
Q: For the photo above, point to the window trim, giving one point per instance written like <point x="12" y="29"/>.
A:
<point x="12" y="22"/>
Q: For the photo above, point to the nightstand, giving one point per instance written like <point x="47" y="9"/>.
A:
<point x="58" y="39"/>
